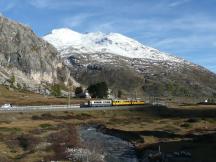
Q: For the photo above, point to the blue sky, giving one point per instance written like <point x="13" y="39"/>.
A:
<point x="186" y="28"/>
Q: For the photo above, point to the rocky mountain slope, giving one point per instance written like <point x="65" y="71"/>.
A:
<point x="27" y="61"/>
<point x="130" y="66"/>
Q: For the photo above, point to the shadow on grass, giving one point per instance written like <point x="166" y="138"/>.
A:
<point x="201" y="147"/>
<point x="49" y="116"/>
<point x="136" y="136"/>
<point x="165" y="112"/>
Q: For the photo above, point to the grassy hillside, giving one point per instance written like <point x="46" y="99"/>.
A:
<point x="16" y="97"/>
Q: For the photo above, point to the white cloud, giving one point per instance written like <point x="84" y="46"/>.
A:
<point x="178" y="3"/>
<point x="104" y="27"/>
<point x="61" y="5"/>
<point x="185" y="43"/>
<point x="196" y="23"/>
<point x="53" y="4"/>
<point x="76" y="20"/>
<point x="40" y="3"/>
<point x="7" y="6"/>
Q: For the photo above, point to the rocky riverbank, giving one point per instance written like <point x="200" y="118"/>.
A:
<point x="171" y="147"/>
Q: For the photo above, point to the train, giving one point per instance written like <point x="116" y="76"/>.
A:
<point x="109" y="103"/>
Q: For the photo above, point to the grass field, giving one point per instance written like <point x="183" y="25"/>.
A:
<point x="27" y="137"/>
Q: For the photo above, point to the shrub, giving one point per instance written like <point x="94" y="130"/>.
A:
<point x="98" y="90"/>
<point x="35" y="117"/>
<point x="56" y="90"/>
<point x="5" y="129"/>
<point x="68" y="138"/>
<point x="78" y="91"/>
<point x="83" y="116"/>
<point x="27" y="142"/>
<point x="12" y="80"/>
<point x="46" y="116"/>
<point x="192" y="120"/>
<point x="4" y="159"/>
<point x="46" y="126"/>
<point x="186" y="125"/>
<point x="119" y="93"/>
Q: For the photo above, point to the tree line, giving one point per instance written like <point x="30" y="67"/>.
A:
<point x="97" y="90"/>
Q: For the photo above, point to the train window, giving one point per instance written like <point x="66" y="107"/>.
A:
<point x="106" y="102"/>
<point x="97" y="102"/>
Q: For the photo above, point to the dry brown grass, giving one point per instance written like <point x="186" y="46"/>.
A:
<point x="144" y="120"/>
<point x="16" y="97"/>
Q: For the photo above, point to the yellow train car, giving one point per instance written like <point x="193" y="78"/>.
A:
<point x="121" y="102"/>
<point x="137" y="102"/>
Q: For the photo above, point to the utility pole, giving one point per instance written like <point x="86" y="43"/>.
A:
<point x="136" y="95"/>
<point x="69" y="94"/>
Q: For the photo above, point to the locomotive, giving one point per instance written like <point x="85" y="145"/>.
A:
<point x="108" y="103"/>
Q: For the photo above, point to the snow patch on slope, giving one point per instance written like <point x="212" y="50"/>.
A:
<point x="69" y="42"/>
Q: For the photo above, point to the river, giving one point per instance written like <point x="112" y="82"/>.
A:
<point x="114" y="149"/>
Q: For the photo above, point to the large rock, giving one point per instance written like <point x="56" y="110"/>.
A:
<point x="26" y="60"/>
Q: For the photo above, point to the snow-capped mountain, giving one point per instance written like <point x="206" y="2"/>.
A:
<point x="63" y="39"/>
<point x="129" y="66"/>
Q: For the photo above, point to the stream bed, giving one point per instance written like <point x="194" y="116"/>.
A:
<point x="114" y="149"/>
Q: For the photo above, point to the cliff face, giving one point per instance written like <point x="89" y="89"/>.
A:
<point x="27" y="61"/>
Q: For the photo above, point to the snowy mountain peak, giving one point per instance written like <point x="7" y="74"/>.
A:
<point x="69" y="42"/>
<point x="65" y="33"/>
<point x="63" y="38"/>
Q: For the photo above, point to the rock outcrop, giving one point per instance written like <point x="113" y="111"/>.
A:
<point x="27" y="61"/>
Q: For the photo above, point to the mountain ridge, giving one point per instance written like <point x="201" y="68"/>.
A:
<point x="124" y="63"/>
<point x="115" y="43"/>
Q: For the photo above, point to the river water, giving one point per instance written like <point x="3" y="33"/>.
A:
<point x="114" y="149"/>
